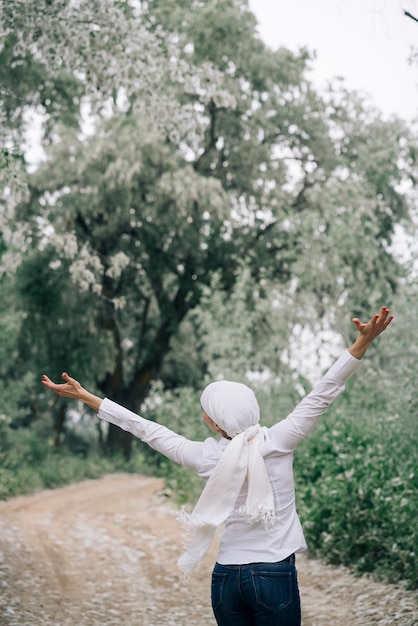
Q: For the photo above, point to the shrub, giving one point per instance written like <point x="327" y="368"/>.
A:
<point x="29" y="463"/>
<point x="356" y="478"/>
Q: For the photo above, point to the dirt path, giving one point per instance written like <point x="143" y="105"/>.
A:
<point x="104" y="553"/>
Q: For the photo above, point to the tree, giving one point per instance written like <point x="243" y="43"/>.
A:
<point x="220" y="159"/>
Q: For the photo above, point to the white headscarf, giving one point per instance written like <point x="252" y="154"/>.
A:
<point x="234" y="408"/>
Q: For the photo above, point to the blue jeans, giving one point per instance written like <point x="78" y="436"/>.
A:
<point x="256" y="594"/>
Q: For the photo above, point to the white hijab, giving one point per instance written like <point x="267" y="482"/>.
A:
<point x="234" y="408"/>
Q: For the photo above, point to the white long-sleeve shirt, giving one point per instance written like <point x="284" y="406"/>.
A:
<point x="241" y="541"/>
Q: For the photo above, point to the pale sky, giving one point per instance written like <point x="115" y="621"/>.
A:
<point x="367" y="42"/>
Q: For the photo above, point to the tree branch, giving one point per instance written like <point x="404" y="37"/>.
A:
<point x="211" y="133"/>
<point x="411" y="16"/>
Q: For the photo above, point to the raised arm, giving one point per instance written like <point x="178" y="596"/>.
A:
<point x="289" y="432"/>
<point x="167" y="442"/>
<point x="72" y="389"/>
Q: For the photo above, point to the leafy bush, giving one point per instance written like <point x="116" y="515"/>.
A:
<point x="29" y="463"/>
<point x="179" y="410"/>
<point x="356" y="477"/>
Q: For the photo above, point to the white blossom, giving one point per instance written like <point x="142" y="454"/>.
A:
<point x="86" y="271"/>
<point x="119" y="303"/>
<point x="65" y="244"/>
<point x="10" y="261"/>
<point x="117" y="264"/>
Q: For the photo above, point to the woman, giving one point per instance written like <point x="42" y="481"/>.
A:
<point x="249" y="486"/>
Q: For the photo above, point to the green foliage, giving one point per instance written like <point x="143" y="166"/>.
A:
<point x="212" y="174"/>
<point x="15" y="378"/>
<point x="11" y="166"/>
<point x="243" y="330"/>
<point x="179" y="410"/>
<point x="356" y="477"/>
<point x="54" y="322"/>
<point x="29" y="462"/>
<point x="26" y="81"/>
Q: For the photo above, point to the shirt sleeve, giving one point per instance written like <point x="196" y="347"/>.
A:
<point x="290" y="431"/>
<point x="172" y="445"/>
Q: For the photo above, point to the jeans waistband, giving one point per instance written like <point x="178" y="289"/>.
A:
<point x="291" y="559"/>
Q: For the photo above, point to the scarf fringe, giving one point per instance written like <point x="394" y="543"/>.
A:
<point x="196" y="541"/>
<point x="188" y="561"/>
<point x="190" y="521"/>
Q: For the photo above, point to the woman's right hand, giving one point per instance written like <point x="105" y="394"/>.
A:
<point x="72" y="389"/>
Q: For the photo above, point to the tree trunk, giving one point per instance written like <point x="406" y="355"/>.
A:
<point x="59" y="419"/>
<point x="119" y="440"/>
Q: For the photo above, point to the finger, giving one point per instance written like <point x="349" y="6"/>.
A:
<point x="384" y="318"/>
<point x="384" y="312"/>
<point x="356" y="322"/>
<point x="50" y="385"/>
<point x="46" y="381"/>
<point x="68" y="379"/>
<point x="388" y="321"/>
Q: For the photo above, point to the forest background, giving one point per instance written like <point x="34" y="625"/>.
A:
<point x="202" y="212"/>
